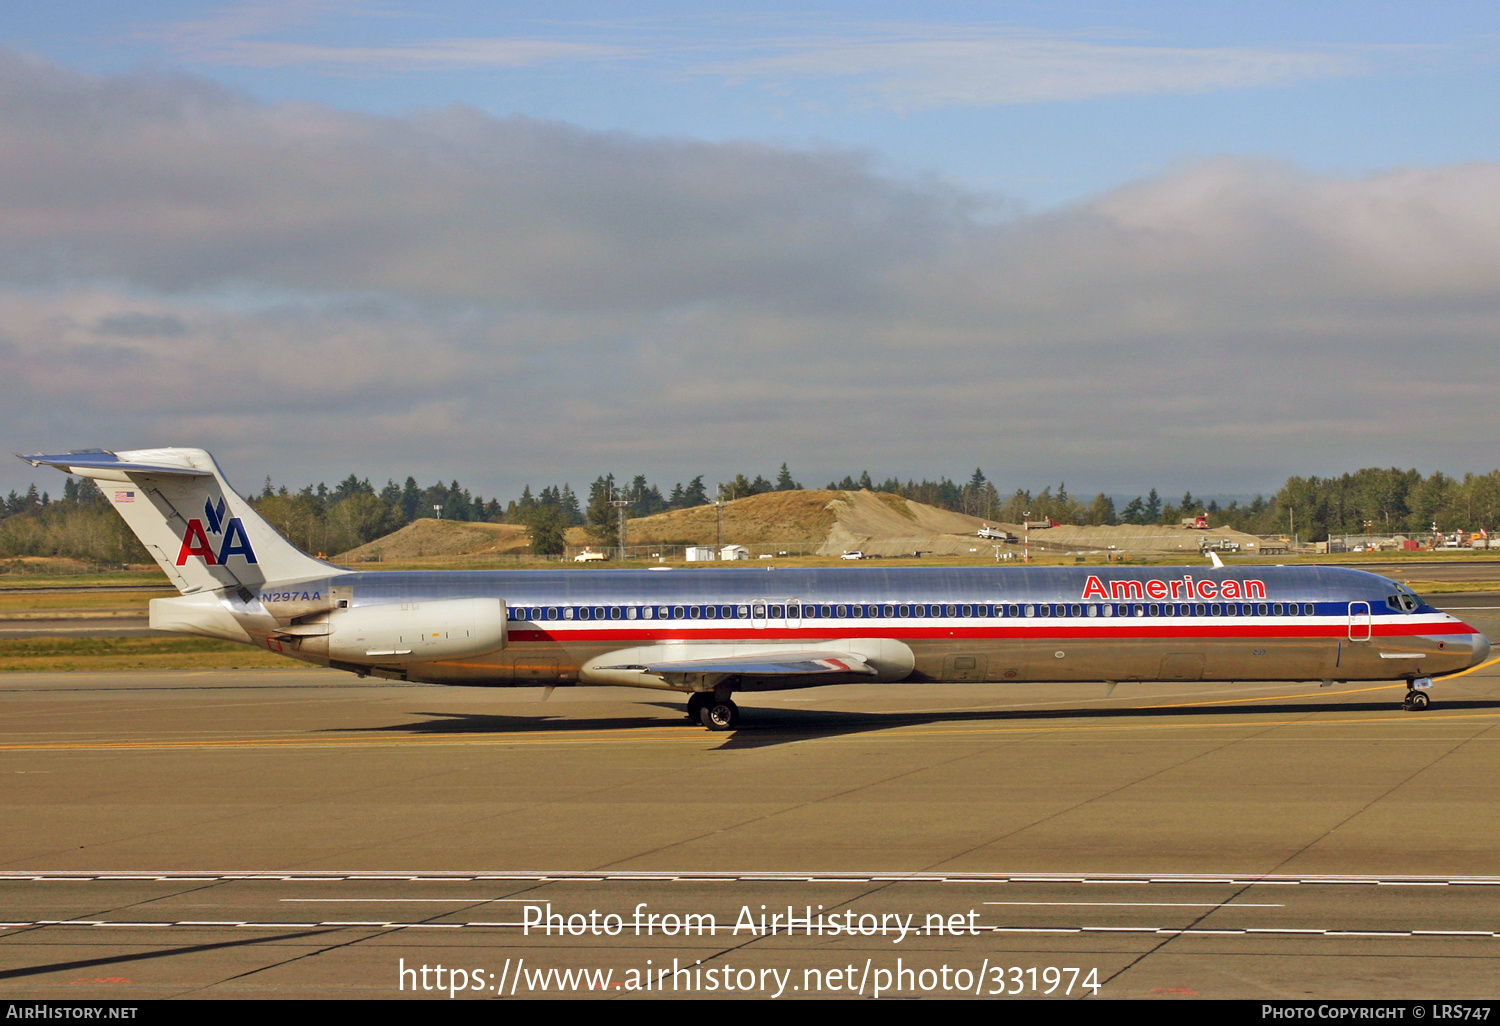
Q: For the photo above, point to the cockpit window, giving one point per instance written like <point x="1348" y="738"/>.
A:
<point x="1405" y="599"/>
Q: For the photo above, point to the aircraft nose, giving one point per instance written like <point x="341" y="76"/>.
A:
<point x="1481" y="646"/>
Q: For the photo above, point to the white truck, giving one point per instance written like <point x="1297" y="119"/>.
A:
<point x="995" y="534"/>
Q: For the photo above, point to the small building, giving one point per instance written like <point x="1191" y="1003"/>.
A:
<point x="734" y="552"/>
<point x="700" y="553"/>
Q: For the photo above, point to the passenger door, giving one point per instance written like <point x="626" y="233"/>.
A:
<point x="1359" y="621"/>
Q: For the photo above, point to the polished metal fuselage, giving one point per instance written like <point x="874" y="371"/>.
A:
<point x="960" y="624"/>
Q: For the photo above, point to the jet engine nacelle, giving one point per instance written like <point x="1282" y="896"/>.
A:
<point x="399" y="633"/>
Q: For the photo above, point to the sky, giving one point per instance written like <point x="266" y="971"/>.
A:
<point x="1176" y="245"/>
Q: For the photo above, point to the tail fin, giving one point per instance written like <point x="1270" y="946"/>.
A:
<point x="202" y="533"/>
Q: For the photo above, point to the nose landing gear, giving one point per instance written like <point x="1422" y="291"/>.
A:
<point x="1416" y="696"/>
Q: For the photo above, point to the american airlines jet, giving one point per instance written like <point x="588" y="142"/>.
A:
<point x="707" y="633"/>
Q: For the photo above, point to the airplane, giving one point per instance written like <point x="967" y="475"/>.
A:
<point x="708" y="633"/>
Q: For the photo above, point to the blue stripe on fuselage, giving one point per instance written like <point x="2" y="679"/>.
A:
<point x="847" y="585"/>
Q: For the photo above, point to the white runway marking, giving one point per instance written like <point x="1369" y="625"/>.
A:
<point x="726" y="927"/>
<point x="637" y="876"/>
<point x="1127" y="904"/>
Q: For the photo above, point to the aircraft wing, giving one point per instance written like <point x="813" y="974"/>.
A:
<point x="782" y="664"/>
<point x="757" y="665"/>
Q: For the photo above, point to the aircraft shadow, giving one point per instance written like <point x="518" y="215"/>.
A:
<point x="762" y="727"/>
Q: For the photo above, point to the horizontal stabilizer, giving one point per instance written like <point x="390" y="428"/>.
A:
<point x="78" y="462"/>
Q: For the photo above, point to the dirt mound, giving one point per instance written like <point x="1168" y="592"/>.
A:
<point x="880" y="524"/>
<point x="429" y="537"/>
<point x="803" y="516"/>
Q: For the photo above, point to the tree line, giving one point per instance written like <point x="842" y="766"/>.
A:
<point x="320" y="519"/>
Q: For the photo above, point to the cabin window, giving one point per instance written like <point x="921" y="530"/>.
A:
<point x="827" y="611"/>
<point x="679" y="612"/>
<point x="567" y="612"/>
<point x="952" y="610"/>
<point x="1013" y="610"/>
<point x="1109" y="610"/>
<point x="1092" y="611"/>
<point x="712" y="612"/>
<point x="1263" y="609"/>
<point x="1155" y="609"/>
<point x="614" y="612"/>
<point x="1276" y="609"/>
<point x="905" y="612"/>
<point x="694" y="612"/>
<point x="857" y="611"/>
<point x="1031" y="610"/>
<point x="744" y="612"/>
<point x="1077" y="609"/>
<point x="793" y="612"/>
<point x="630" y="612"/>
<point x="778" y="612"/>
<point x="843" y="612"/>
<point x="968" y="611"/>
<point x="1061" y="610"/>
<point x="1309" y="609"/>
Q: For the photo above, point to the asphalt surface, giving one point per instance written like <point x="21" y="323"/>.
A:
<point x="304" y="833"/>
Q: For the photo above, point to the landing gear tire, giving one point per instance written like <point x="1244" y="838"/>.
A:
<point x="696" y="702"/>
<point x="717" y="715"/>
<point x="1416" y="701"/>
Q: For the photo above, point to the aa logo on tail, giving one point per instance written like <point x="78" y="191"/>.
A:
<point x="233" y="539"/>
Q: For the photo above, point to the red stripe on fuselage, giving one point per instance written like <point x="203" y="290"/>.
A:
<point x="648" y="635"/>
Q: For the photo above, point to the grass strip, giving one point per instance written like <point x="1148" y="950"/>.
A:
<point x="47" y="655"/>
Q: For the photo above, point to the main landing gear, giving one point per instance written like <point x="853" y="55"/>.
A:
<point x="1416" y="696"/>
<point x="713" y="712"/>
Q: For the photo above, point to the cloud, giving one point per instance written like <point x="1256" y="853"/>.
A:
<point x="922" y="67"/>
<point x="502" y="300"/>
<point x="235" y="37"/>
<point x="905" y="67"/>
